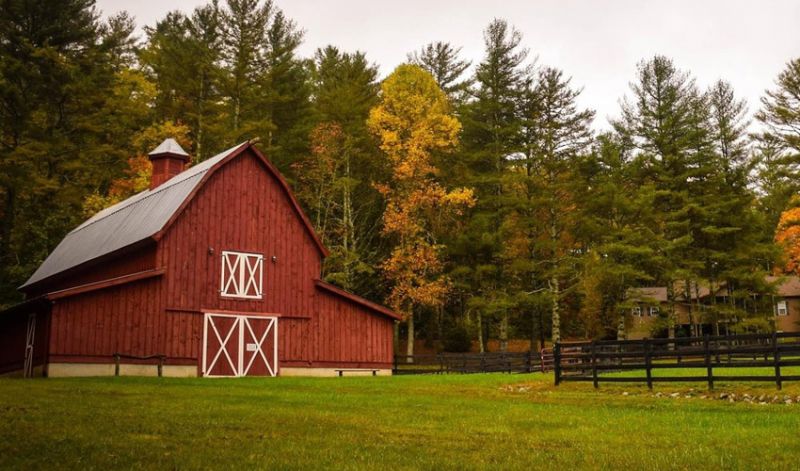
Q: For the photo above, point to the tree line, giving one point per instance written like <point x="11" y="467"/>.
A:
<point x="476" y="199"/>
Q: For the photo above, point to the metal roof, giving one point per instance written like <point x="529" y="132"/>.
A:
<point x="125" y="223"/>
<point x="169" y="146"/>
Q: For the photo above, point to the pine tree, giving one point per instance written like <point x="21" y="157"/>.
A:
<point x="556" y="134"/>
<point x="58" y="83"/>
<point x="345" y="89"/>
<point x="442" y="60"/>
<point x="178" y="44"/>
<point x="491" y="134"/>
<point x="778" y="147"/>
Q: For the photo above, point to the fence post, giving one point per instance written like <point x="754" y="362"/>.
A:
<point x="647" y="362"/>
<point x="594" y="364"/>
<point x="776" y="355"/>
<point x="709" y="369"/>
<point x="116" y="364"/>
<point x="160" y="366"/>
<point x="394" y="367"/>
<point x="557" y="362"/>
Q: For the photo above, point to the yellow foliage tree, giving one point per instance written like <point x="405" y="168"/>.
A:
<point x="412" y="122"/>
<point x="787" y="235"/>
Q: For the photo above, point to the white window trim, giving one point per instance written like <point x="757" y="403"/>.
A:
<point x="637" y="311"/>
<point x="782" y="306"/>
<point x="241" y="271"/>
<point x="654" y="310"/>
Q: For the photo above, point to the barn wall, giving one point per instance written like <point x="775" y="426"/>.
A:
<point x="126" y="319"/>
<point x="347" y="334"/>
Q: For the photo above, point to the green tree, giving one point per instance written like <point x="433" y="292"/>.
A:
<point x="60" y="84"/>
<point x="442" y="60"/>
<point x="556" y="134"/>
<point x="492" y="129"/>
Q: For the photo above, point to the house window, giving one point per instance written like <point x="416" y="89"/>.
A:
<point x="653" y="311"/>
<point x="781" y="308"/>
<point x="242" y="275"/>
<point x="637" y="311"/>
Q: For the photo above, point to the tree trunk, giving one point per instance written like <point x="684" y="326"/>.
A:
<point x="410" y="340"/>
<point x="481" y="347"/>
<point x="397" y="337"/>
<point x="504" y="331"/>
<point x="554" y="292"/>
<point x="621" y="334"/>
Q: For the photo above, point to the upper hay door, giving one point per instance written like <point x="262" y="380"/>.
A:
<point x="242" y="275"/>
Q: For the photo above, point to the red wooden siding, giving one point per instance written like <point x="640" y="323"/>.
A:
<point x="350" y="335"/>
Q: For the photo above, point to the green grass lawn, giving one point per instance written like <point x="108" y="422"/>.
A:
<point x="430" y="422"/>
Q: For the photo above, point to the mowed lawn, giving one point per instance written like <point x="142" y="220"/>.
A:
<point x="431" y="422"/>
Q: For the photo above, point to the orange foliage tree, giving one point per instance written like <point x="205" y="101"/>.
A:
<point x="412" y="122"/>
<point x="787" y="235"/>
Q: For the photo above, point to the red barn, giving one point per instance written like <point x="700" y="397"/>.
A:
<point x="214" y="270"/>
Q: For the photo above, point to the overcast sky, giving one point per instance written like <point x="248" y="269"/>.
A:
<point x="598" y="43"/>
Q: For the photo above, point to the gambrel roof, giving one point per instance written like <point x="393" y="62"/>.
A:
<point x="145" y="215"/>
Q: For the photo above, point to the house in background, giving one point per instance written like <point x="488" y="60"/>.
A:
<point x="215" y="268"/>
<point x="648" y="316"/>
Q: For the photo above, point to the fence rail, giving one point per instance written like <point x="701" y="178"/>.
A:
<point x="463" y="363"/>
<point x="591" y="361"/>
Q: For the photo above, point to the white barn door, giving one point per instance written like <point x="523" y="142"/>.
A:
<point x="239" y="345"/>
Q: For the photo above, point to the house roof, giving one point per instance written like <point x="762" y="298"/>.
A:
<point x="788" y="286"/>
<point x="145" y="215"/>
<point x="657" y="293"/>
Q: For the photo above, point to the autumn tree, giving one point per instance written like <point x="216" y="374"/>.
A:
<point x="413" y="121"/>
<point x="787" y="235"/>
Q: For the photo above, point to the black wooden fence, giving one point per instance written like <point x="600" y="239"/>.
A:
<point x="450" y="363"/>
<point x="593" y="361"/>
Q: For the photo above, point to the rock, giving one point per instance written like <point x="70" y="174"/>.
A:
<point x="762" y="398"/>
<point x="787" y="401"/>
<point x="658" y="394"/>
<point x="762" y="403"/>
<point x="703" y="397"/>
<point x="675" y="394"/>
<point x="723" y="395"/>
<point x="625" y="393"/>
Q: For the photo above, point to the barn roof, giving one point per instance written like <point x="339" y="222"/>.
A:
<point x="142" y="216"/>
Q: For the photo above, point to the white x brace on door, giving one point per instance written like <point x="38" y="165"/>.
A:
<point x="239" y="345"/>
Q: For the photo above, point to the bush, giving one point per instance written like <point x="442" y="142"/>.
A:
<point x="457" y="340"/>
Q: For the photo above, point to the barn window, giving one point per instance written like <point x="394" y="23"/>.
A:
<point x="653" y="311"/>
<point x="242" y="275"/>
<point x="637" y="311"/>
<point x="781" y="308"/>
